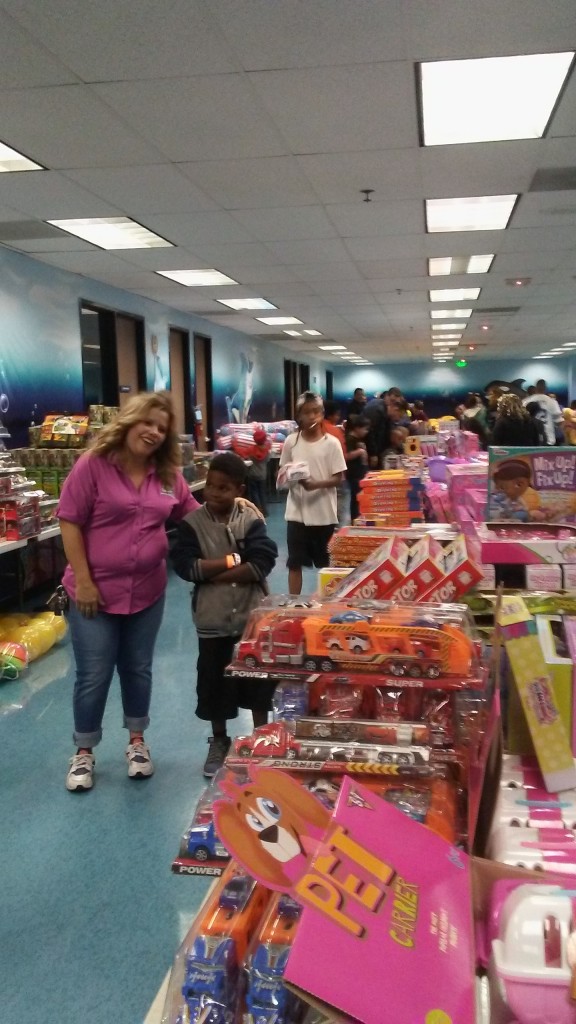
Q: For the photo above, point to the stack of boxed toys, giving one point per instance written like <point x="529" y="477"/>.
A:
<point x="392" y="494"/>
<point x="421" y="564"/>
<point x="24" y="509"/>
<point x="396" y="922"/>
<point x="383" y="723"/>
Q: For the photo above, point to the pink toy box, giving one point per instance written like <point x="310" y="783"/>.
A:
<point x="371" y="898"/>
<point x="527" y="543"/>
<point x="462" y="477"/>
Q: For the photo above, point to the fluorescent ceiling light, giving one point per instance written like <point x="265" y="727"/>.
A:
<point x="444" y="344"/>
<point x="440" y="265"/>
<point x="488" y="99"/>
<point x="278" y="320"/>
<point x="197" y="278"/>
<point x="444" y="314"/>
<point x="449" y="327"/>
<point x="314" y="334"/>
<point x="12" y="160"/>
<point x="112" y="233"/>
<point x="569" y="344"/>
<point x="541" y="357"/>
<point x="443" y="337"/>
<point x="453" y="294"/>
<point x="247" y="303"/>
<point x="474" y="213"/>
<point x="293" y="334"/>
<point x="333" y="348"/>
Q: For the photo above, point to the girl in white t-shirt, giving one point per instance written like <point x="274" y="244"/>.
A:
<point x="311" y="507"/>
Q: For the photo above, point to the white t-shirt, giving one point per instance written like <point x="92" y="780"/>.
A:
<point x="324" y="457"/>
<point x="550" y="413"/>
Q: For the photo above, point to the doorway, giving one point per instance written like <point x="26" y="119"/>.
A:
<point x="203" y="412"/>
<point x="180" y="379"/>
<point x="129" y="357"/>
<point x="113" y="360"/>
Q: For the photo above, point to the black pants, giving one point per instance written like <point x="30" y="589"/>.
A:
<point x="219" y="695"/>
<point x="256" y="493"/>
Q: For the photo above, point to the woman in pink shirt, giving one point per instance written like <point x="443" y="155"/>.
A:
<point x="113" y="510"/>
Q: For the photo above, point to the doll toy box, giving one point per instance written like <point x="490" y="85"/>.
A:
<point x="532" y="485"/>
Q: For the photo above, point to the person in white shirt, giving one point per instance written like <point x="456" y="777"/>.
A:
<point x="550" y="411"/>
<point x="311" y="507"/>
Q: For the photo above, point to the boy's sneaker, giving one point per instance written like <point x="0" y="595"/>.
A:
<point x="81" y="772"/>
<point x="139" y="761"/>
<point x="217" y="750"/>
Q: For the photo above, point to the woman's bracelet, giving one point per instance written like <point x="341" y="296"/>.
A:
<point x="233" y="560"/>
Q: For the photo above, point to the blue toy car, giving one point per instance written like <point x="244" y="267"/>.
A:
<point x="237" y="892"/>
<point x="349" y="616"/>
<point x="203" y="844"/>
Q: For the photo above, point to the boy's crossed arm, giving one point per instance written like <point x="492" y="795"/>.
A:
<point x="258" y="557"/>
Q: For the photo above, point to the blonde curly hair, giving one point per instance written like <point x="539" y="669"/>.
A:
<point x="511" y="406"/>
<point x="112" y="437"/>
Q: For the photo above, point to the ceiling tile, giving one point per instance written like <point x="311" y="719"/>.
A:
<point x="133" y="39"/>
<point x="340" y="177"/>
<point x="331" y="110"/>
<point x="363" y="220"/>
<point x="290" y="223"/>
<point x="140" y="191"/>
<point x="88" y="133"/>
<point x="265" y="35"/>
<point x="25" y="62"/>
<point x="257" y="183"/>
<point x="209" y="117"/>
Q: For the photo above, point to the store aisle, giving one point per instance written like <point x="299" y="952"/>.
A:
<point x="90" y="912"/>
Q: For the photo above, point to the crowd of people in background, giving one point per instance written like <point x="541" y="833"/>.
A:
<point x="505" y="418"/>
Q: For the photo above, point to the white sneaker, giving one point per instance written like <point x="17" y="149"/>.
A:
<point x="139" y="760"/>
<point x="80" y="772"/>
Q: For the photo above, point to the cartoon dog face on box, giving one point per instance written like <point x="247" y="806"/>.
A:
<point x="271" y="825"/>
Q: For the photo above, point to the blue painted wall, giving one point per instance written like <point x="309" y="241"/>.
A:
<point x="442" y="387"/>
<point x="40" y="346"/>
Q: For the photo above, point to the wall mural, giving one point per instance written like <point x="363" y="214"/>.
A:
<point x="40" y="349"/>
<point x="443" y="387"/>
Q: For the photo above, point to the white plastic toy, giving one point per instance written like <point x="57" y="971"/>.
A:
<point x="291" y="473"/>
<point x="536" y="808"/>
<point x="533" y="957"/>
<point x="536" y="848"/>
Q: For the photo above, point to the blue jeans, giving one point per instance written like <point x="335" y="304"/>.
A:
<point x="101" y="644"/>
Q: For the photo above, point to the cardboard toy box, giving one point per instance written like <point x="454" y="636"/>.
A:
<point x="526" y="543"/>
<point x="378" y="573"/>
<point x="532" y="485"/>
<point x="532" y="690"/>
<point x="460" y="573"/>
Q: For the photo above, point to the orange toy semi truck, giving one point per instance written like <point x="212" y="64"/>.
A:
<point x="329" y="641"/>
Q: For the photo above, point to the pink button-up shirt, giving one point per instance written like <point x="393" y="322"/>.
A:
<point x="123" y="530"/>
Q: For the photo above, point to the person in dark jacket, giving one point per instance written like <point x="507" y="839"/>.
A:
<point x="378" y="437"/>
<point x="536" y="413"/>
<point x="357" y="403"/>
<point x="514" y="426"/>
<point x="224" y="550"/>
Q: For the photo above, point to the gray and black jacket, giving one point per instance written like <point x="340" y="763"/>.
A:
<point x="223" y="610"/>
